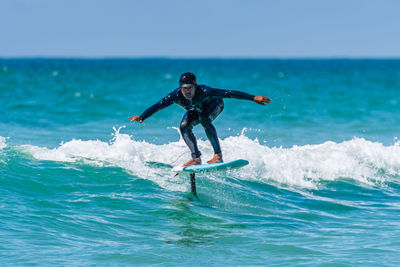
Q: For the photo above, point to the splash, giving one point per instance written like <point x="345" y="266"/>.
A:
<point x="304" y="166"/>
<point x="2" y="142"/>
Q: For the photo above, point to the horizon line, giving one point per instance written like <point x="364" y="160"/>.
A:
<point x="204" y="57"/>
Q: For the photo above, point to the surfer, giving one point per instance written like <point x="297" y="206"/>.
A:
<point x="203" y="104"/>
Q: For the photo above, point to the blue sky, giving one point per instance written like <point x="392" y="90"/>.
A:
<point x="207" y="28"/>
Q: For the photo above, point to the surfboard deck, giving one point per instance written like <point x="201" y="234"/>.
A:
<point x="212" y="167"/>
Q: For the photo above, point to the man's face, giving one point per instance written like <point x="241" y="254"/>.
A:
<point x="188" y="91"/>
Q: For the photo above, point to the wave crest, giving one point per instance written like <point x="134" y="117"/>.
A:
<point x="305" y="166"/>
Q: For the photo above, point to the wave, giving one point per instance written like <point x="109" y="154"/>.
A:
<point x="303" y="166"/>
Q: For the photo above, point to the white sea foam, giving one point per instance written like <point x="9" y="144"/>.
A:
<point x="2" y="145"/>
<point x="304" y="166"/>
<point x="2" y="142"/>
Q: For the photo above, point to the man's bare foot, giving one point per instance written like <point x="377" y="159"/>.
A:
<point x="216" y="158"/>
<point x="194" y="161"/>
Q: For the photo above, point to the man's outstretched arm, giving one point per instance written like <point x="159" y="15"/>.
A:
<point x="237" y="94"/>
<point x="163" y="103"/>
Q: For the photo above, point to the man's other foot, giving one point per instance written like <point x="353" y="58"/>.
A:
<point x="194" y="161"/>
<point x="217" y="158"/>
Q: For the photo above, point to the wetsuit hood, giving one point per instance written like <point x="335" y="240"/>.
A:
<point x="187" y="78"/>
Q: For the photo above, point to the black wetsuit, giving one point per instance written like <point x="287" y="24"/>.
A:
<point x="203" y="108"/>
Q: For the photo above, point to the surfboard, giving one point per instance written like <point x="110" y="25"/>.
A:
<point x="212" y="167"/>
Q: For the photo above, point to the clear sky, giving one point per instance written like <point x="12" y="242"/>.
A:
<point x="194" y="28"/>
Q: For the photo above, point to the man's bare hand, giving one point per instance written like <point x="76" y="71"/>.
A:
<point x="261" y="100"/>
<point x="136" y="118"/>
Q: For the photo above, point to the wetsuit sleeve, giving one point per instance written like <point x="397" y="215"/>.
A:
<point x="220" y="93"/>
<point x="163" y="103"/>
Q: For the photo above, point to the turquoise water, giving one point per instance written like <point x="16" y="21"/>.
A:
<point x="81" y="185"/>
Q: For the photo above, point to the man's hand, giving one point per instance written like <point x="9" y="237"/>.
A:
<point x="136" y="118"/>
<point x="261" y="100"/>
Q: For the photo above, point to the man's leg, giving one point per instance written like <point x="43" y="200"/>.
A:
<point x="189" y="120"/>
<point x="206" y="117"/>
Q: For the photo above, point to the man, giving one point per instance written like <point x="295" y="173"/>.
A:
<point x="203" y="105"/>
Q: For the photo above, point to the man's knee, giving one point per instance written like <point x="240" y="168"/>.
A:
<point x="205" y="120"/>
<point x="184" y="126"/>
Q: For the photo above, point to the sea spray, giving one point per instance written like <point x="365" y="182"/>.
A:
<point x="2" y="142"/>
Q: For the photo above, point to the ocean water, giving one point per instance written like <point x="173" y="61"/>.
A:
<point x="81" y="185"/>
